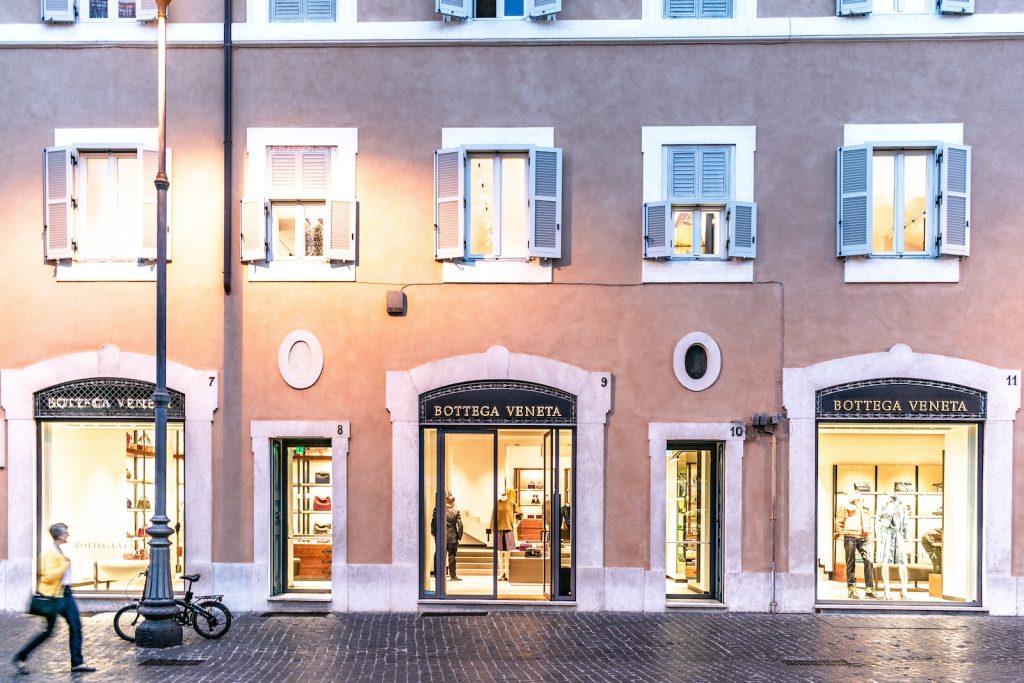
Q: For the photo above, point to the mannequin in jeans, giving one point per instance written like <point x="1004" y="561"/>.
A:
<point x="892" y="532"/>
<point x="853" y="524"/>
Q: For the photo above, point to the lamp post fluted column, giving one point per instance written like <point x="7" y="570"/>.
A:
<point x="160" y="628"/>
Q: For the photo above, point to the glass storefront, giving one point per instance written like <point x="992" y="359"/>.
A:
<point x="98" y="477"/>
<point x="302" y="516"/>
<point x="692" y="520"/>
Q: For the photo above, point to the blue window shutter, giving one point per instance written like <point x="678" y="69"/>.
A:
<point x="254" y="219"/>
<point x="59" y="11"/>
<point x="59" y="212"/>
<point x="680" y="9"/>
<point x="742" y="219"/>
<point x="846" y="8"/>
<point x="460" y="9"/>
<point x="546" y="202"/>
<point x="658" y="229"/>
<point x="956" y="6"/>
<point x="319" y="10"/>
<point x="542" y="8"/>
<point x="450" y="203"/>
<point x="853" y="211"/>
<point x="682" y="170"/>
<point x="955" y="209"/>
<point x="285" y="10"/>
<point x="714" y="173"/>
<point x="340" y="229"/>
<point x="716" y="9"/>
<point x="149" y="162"/>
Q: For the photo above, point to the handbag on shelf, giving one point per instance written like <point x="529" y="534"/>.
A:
<point x="861" y="486"/>
<point x="319" y="528"/>
<point x="143" y="503"/>
<point x="533" y="552"/>
<point x="321" y="503"/>
<point x="43" y="605"/>
<point x="536" y="500"/>
<point x="903" y="487"/>
<point x="322" y="478"/>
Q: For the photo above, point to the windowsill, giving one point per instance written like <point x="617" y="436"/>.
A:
<point x="897" y="270"/>
<point x="732" y="270"/>
<point x="301" y="597"/>
<point x="105" y="271"/>
<point x="301" y="271"/>
<point x="695" y="603"/>
<point x="482" y="271"/>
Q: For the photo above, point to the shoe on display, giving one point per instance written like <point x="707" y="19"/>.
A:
<point x="82" y="669"/>
<point x="870" y="593"/>
<point x="851" y="592"/>
<point x="455" y="578"/>
<point x="904" y="596"/>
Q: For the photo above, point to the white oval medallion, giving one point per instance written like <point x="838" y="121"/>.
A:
<point x="300" y="359"/>
<point x="697" y="361"/>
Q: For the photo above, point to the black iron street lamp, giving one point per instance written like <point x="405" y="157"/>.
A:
<point x="160" y="629"/>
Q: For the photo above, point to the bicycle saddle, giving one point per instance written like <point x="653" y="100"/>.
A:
<point x="190" y="577"/>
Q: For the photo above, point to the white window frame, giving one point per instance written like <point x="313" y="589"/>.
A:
<point x="741" y="9"/>
<point x="898" y="7"/>
<point x="258" y="12"/>
<point x="499" y="156"/>
<point x="909" y="269"/>
<point x="701" y="205"/>
<point x="107" y="139"/>
<point x="654" y="141"/>
<point x="342" y="178"/>
<point x="497" y="270"/>
<point x="112" y="7"/>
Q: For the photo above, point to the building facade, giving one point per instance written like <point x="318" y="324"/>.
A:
<point x="687" y="304"/>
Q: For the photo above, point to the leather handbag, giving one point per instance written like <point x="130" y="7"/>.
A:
<point x="319" y="528"/>
<point x="322" y="478"/>
<point x="143" y="503"/>
<point x="904" y="486"/>
<point x="43" y="605"/>
<point x="861" y="486"/>
<point x="322" y="503"/>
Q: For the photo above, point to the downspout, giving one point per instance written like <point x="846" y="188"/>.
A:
<point x="773" y="607"/>
<point x="228" y="203"/>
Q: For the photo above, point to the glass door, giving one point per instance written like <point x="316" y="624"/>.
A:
<point x="693" y="521"/>
<point x="549" y="539"/>
<point x="279" y="475"/>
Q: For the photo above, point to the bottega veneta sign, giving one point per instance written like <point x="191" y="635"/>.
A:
<point x="902" y="399"/>
<point x="499" y="402"/>
<point x="105" y="397"/>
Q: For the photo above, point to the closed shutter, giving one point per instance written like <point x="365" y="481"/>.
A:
<point x="461" y="9"/>
<point x="283" y="173"/>
<point x="59" y="212"/>
<point x="543" y="8"/>
<point x="285" y="10"/>
<point x="682" y="183"/>
<point x="846" y="8"/>
<point x="546" y="202"/>
<point x="340" y="229"/>
<point x="742" y="220"/>
<point x="714" y="173"/>
<point x="658" y="228"/>
<point x="149" y="163"/>
<point x="313" y="173"/>
<point x="449" y="203"/>
<point x="956" y="6"/>
<point x="955" y="209"/>
<point x="296" y="173"/>
<point x="59" y="11"/>
<point x="319" y="10"/>
<point x="680" y="9"/>
<point x="253" y="221"/>
<point x="716" y="9"/>
<point x="853" y="211"/>
<point x="145" y="10"/>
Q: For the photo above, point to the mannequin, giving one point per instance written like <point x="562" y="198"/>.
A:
<point x="506" y="516"/>
<point x="892" y="532"/>
<point x="853" y="525"/>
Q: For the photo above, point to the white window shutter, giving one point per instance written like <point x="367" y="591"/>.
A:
<point x="716" y="9"/>
<point x="450" y="203"/>
<point x="283" y="173"/>
<point x="658" y="229"/>
<point x="319" y="10"/>
<point x="340" y="230"/>
<point x="847" y="8"/>
<point x="314" y="165"/>
<point x="546" y="202"/>
<point x="285" y="10"/>
<point x="460" y="9"/>
<point x="59" y="11"/>
<point x="956" y="6"/>
<point x="853" y="201"/>
<point x="742" y="220"/>
<point x="543" y="8"/>
<point x="955" y="209"/>
<point x="149" y="162"/>
<point x="682" y="173"/>
<point x="680" y="9"/>
<point x="59" y="213"/>
<point x="254" y="213"/>
<point x="145" y="10"/>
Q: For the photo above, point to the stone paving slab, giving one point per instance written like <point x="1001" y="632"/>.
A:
<point x="532" y="646"/>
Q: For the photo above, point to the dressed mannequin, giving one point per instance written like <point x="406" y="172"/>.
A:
<point x="892" y="532"/>
<point x="506" y="515"/>
<point x="853" y="524"/>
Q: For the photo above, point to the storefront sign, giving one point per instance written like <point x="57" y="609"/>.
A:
<point x="105" y="397"/>
<point x="498" y="403"/>
<point x="901" y="399"/>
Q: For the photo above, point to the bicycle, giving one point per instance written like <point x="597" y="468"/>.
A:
<point x="206" y="614"/>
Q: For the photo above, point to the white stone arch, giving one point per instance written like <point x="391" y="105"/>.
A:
<point x="367" y="583"/>
<point x="796" y="589"/>
<point x="17" y="388"/>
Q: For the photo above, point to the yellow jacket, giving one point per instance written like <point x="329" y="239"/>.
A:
<point x="52" y="565"/>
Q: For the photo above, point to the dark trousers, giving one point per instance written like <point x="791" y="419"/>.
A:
<point x="68" y="609"/>
<point x="451" y="550"/>
<point x="854" y="546"/>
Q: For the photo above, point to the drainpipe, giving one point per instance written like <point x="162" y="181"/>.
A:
<point x="228" y="203"/>
<point x="773" y="607"/>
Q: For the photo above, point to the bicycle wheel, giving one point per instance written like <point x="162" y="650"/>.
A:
<point x="126" y="620"/>
<point x="214" y="626"/>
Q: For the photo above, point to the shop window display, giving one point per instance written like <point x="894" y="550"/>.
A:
<point x="898" y="512"/>
<point x="303" y="516"/>
<point x="692" y="522"/>
<point x="100" y="476"/>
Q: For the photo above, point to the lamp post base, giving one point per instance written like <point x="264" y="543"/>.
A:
<point x="158" y="633"/>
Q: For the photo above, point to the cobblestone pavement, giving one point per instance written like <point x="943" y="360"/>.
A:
<point x="532" y="646"/>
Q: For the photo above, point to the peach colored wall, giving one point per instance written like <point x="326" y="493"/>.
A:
<point x="827" y="8"/>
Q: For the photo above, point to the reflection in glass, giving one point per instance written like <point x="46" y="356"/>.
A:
<point x="314" y="229"/>
<point x="709" y="231"/>
<point x="682" y="242"/>
<point x="513" y="206"/>
<point x="883" y="184"/>
<point x="285" y="214"/>
<point x="429" y="500"/>
<point x="482" y="206"/>
<point x="915" y="201"/>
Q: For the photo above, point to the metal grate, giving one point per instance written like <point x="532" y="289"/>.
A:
<point x="816" y="662"/>
<point x="270" y="615"/>
<point x="171" y="662"/>
<point x="110" y="397"/>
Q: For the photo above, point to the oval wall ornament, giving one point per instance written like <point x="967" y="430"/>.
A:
<point x="300" y="359"/>
<point x="697" y="361"/>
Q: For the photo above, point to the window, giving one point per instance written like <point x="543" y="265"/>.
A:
<point x="698" y="9"/>
<point x="497" y="9"/>
<point x="65" y="11"/>
<point x="302" y="10"/>
<point x="101" y="203"/>
<point x="699" y="219"/>
<point x="859" y="7"/>
<point x="904" y="201"/>
<point x="498" y="203"/>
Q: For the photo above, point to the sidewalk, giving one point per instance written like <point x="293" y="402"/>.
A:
<point x="529" y="646"/>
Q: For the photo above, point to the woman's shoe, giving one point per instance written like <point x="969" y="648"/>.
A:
<point x="455" y="578"/>
<point x="851" y="593"/>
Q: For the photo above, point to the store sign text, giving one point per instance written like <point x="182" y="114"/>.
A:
<point x="493" y="411"/>
<point x="62" y="402"/>
<point x="885" y="406"/>
<point x="902" y="399"/>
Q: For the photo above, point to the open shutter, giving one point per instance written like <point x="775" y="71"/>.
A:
<point x="254" y="218"/>
<point x="680" y="9"/>
<point x="285" y="10"/>
<point x="450" y="203"/>
<point x="59" y="11"/>
<point x="714" y="173"/>
<point x="956" y="6"/>
<point x="59" y="212"/>
<point x="340" y="229"/>
<point x="955" y="206"/>
<point x="847" y="8"/>
<point x="543" y="8"/>
<point x="853" y="211"/>
<point x="319" y="10"/>
<point x="461" y="9"/>
<point x="546" y="202"/>
<point x="742" y="220"/>
<point x="683" y="173"/>
<point x="658" y="229"/>
<point x="716" y="9"/>
<point x="149" y="162"/>
<point x="145" y="10"/>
